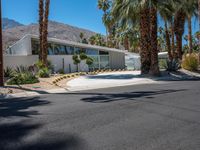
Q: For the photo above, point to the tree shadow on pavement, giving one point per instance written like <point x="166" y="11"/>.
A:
<point x="19" y="106"/>
<point x="20" y="131"/>
<point x="111" y="97"/>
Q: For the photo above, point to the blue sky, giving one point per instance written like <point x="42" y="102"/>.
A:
<point x="80" y="13"/>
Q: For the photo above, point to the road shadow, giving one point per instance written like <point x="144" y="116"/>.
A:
<point x="13" y="137"/>
<point x="18" y="107"/>
<point x="112" y="97"/>
<point x="18" y="125"/>
<point x="114" y="76"/>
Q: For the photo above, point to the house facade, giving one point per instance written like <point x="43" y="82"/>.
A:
<point x="60" y="53"/>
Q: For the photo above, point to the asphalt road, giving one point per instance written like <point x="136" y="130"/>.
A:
<point x="142" y="117"/>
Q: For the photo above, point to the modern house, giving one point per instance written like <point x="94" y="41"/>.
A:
<point x="60" y="52"/>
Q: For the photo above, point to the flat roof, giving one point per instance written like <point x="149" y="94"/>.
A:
<point x="77" y="44"/>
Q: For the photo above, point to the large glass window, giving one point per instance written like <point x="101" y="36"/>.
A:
<point x="104" y="62"/>
<point x="103" y="53"/>
<point x="50" y="49"/>
<point x="35" y="46"/>
<point x="77" y="50"/>
<point x="60" y="49"/>
<point x="95" y="64"/>
<point x="92" y="52"/>
<point x="70" y="50"/>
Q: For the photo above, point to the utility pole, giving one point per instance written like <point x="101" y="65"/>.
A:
<point x="1" y="52"/>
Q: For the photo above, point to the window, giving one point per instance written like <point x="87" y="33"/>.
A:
<point x="50" y="49"/>
<point x="104" y="62"/>
<point x="77" y="50"/>
<point x="92" y="52"/>
<point x="35" y="46"/>
<point x="60" y="49"/>
<point x="95" y="64"/>
<point x="103" y="53"/>
<point x="70" y="50"/>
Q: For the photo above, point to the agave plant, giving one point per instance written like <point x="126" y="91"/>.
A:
<point x="8" y="72"/>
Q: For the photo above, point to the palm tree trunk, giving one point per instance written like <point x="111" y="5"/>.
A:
<point x="145" y="40"/>
<point x="154" y="70"/>
<point x="199" y="26"/>
<point x="168" y="43"/>
<point x="190" y="34"/>
<point x="45" y="32"/>
<point x="41" y="17"/>
<point x="173" y="39"/>
<point x="126" y="43"/>
<point x="1" y="52"/>
<point x="179" y="30"/>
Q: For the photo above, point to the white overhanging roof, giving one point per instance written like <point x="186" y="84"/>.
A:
<point x="89" y="46"/>
<point x="76" y="44"/>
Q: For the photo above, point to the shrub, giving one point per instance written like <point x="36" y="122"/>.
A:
<point x="190" y="62"/>
<point x="44" y="73"/>
<point x="39" y="64"/>
<point x="8" y="72"/>
<point x="89" y="61"/>
<point x="162" y="63"/>
<point x="61" y="71"/>
<point x="83" y="56"/>
<point x="23" y="78"/>
<point x="173" y="65"/>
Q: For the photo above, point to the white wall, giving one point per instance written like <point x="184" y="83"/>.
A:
<point x="57" y="62"/>
<point x="22" y="47"/>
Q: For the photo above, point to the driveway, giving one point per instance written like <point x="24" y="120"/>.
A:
<point x="136" y="117"/>
<point x="105" y="80"/>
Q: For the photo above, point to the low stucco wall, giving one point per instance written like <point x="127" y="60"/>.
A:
<point x="59" y="62"/>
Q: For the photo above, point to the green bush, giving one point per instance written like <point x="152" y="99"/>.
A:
<point x="23" y="78"/>
<point x="44" y="73"/>
<point x="8" y="72"/>
<point x="83" y="56"/>
<point x="39" y="64"/>
<point x="190" y="62"/>
<point x="61" y="71"/>
<point x="162" y="63"/>
<point x="89" y="61"/>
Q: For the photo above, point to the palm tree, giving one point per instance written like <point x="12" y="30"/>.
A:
<point x="166" y="12"/>
<point x="154" y="68"/>
<point x="45" y="32"/>
<point x="1" y="52"/>
<point x="127" y="12"/>
<point x="104" y="5"/>
<point x="190" y="9"/>
<point x="199" y="26"/>
<point x="41" y="18"/>
<point x="179" y="23"/>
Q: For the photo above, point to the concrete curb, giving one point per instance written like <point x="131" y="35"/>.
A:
<point x="31" y="94"/>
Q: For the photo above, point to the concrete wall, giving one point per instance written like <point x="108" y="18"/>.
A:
<point x="117" y="60"/>
<point x="59" y="62"/>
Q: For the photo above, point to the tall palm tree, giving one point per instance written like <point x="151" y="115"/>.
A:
<point x="166" y="12"/>
<point x="41" y="18"/>
<point x="104" y="5"/>
<point x="199" y="26"/>
<point x="45" y="32"/>
<point x="154" y="68"/>
<point x="190" y="9"/>
<point x="131" y="12"/>
<point x="1" y="52"/>
<point x="179" y="23"/>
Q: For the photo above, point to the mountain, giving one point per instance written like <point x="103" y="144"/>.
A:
<point x="9" y="23"/>
<point x="56" y="30"/>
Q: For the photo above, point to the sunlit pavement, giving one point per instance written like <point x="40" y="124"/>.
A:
<point x="105" y="80"/>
